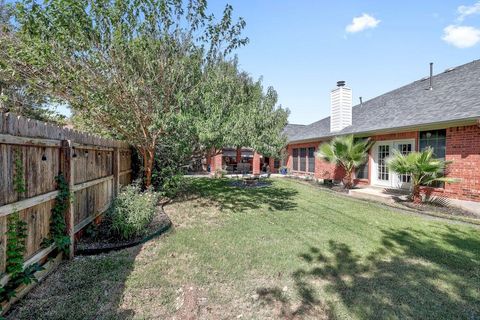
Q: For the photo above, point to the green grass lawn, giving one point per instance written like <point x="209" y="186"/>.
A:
<point x="288" y="251"/>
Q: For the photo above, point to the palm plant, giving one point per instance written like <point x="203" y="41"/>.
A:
<point x="347" y="153"/>
<point x="422" y="167"/>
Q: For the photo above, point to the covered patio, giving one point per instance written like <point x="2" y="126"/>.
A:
<point x="241" y="160"/>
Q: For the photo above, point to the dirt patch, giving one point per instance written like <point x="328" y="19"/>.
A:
<point x="189" y="305"/>
<point x="101" y="237"/>
<point x="187" y="213"/>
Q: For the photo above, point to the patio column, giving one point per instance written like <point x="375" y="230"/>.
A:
<point x="271" y="163"/>
<point x="216" y="162"/>
<point x="239" y="154"/>
<point x="256" y="163"/>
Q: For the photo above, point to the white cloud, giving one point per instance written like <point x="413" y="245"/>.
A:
<point x="461" y="36"/>
<point x="363" y="22"/>
<point x="465" y="11"/>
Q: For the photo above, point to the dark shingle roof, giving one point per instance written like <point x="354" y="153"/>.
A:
<point x="455" y="96"/>
<point x="292" y="129"/>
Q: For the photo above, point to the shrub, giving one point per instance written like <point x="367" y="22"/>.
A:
<point x="132" y="211"/>
<point x="168" y="179"/>
<point x="220" y="173"/>
<point x="422" y="167"/>
<point x="346" y="152"/>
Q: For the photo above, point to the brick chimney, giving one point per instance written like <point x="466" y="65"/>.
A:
<point x="340" y="107"/>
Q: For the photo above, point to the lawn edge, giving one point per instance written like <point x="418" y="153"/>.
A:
<point x="443" y="216"/>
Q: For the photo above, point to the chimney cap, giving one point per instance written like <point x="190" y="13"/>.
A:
<point x="340" y="83"/>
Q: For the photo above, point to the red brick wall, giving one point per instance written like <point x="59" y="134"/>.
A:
<point x="397" y="136"/>
<point x="271" y="163"/>
<point x="216" y="162"/>
<point x="256" y="163"/>
<point x="463" y="149"/>
<point x="323" y="169"/>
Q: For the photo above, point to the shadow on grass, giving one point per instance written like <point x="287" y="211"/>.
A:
<point x="89" y="287"/>
<point x="229" y="196"/>
<point x="412" y="275"/>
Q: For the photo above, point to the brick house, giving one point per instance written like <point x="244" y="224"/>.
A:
<point x="243" y="159"/>
<point x="441" y="111"/>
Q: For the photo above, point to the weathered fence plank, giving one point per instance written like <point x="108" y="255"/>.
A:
<point x="93" y="167"/>
<point x="26" y="203"/>
<point x="67" y="166"/>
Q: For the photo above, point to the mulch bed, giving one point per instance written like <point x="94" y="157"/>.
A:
<point x="99" y="238"/>
<point x="432" y="207"/>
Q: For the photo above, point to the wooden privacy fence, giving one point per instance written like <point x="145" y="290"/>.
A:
<point x="93" y="167"/>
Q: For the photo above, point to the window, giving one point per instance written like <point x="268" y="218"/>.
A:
<point x="311" y="159"/>
<point x="303" y="159"/>
<point x="435" y="139"/>
<point x="362" y="171"/>
<point x="276" y="163"/>
<point x="383" y="154"/>
<point x="405" y="148"/>
<point x="295" y="159"/>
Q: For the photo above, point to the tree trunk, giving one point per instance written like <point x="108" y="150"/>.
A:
<point x="347" y="180"/>
<point x="416" y="196"/>
<point x="148" y="155"/>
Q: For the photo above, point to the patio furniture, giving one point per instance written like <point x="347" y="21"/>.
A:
<point x="251" y="179"/>
<point x="264" y="176"/>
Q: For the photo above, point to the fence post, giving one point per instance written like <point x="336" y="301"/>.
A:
<point x="116" y="171"/>
<point x="68" y="169"/>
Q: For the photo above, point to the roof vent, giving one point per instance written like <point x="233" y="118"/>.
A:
<point x="431" y="76"/>
<point x="449" y="69"/>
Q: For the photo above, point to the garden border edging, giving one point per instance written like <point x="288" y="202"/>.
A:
<point x="159" y="232"/>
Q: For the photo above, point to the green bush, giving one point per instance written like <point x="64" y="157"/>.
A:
<point x="169" y="181"/>
<point x="132" y="211"/>
<point x="220" y="173"/>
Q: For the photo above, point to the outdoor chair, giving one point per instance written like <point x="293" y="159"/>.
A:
<point x="265" y="176"/>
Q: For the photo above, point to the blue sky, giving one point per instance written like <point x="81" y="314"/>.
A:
<point x="302" y="48"/>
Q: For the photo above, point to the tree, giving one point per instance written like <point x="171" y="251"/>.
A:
<point x="422" y="167"/>
<point x="132" y="69"/>
<point x="238" y="112"/>
<point x="347" y="153"/>
<point x="16" y="95"/>
<point x="234" y="110"/>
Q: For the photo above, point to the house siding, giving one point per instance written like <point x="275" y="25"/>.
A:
<point x="462" y="148"/>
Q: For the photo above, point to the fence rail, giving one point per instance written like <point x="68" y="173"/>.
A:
<point x="94" y="168"/>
